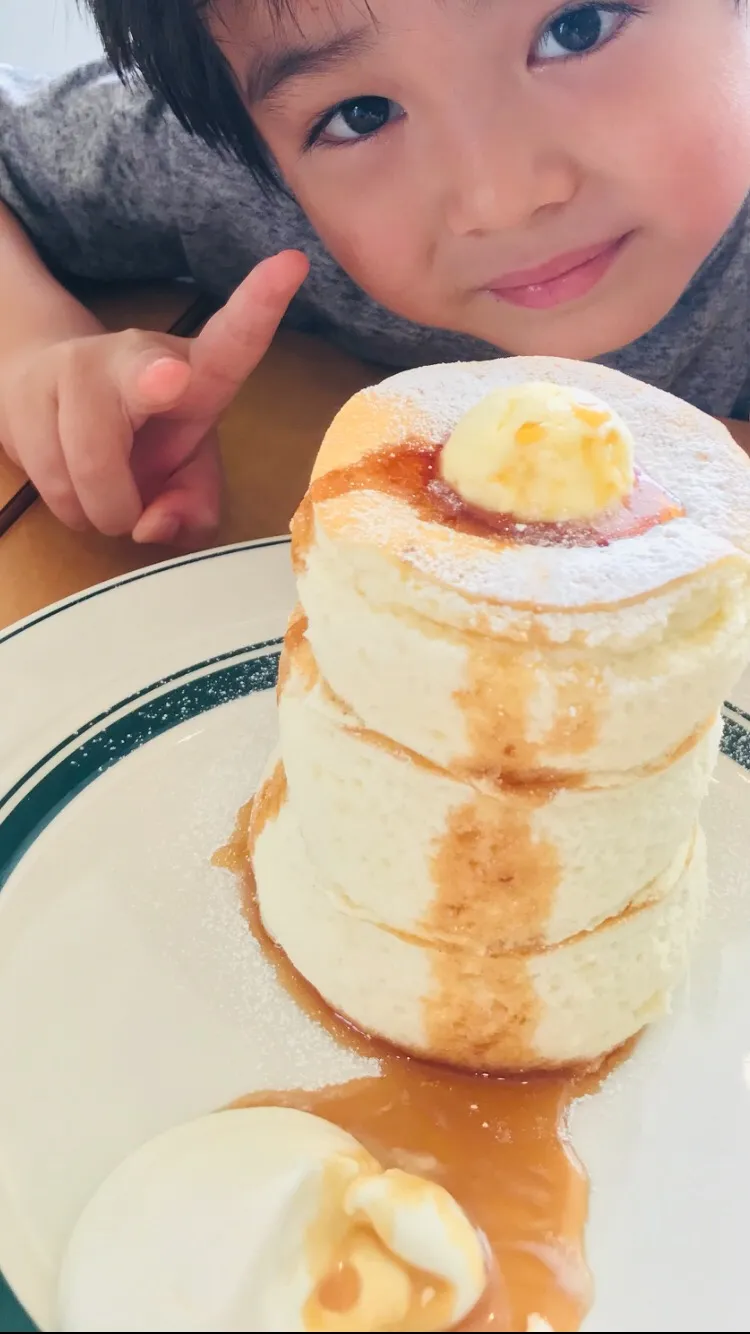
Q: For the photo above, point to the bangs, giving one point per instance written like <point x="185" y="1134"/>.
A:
<point x="168" y="45"/>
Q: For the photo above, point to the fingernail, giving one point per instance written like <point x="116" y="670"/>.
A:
<point x="165" y="378"/>
<point x="160" y="530"/>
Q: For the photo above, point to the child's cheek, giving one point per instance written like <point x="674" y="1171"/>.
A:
<point x="689" y="160"/>
<point x="383" y="247"/>
<point x="701" y="174"/>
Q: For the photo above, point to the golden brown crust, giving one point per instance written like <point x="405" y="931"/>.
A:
<point x="267" y="803"/>
<point x="295" y="652"/>
<point x="303" y="531"/>
<point x="369" y="423"/>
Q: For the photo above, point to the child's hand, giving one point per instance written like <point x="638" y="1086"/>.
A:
<point x="116" y="431"/>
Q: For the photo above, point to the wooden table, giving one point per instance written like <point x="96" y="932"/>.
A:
<point x="269" y="438"/>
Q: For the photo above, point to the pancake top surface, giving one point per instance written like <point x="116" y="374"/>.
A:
<point x="691" y="457"/>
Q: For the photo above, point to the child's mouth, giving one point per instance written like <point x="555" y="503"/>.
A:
<point x="566" y="278"/>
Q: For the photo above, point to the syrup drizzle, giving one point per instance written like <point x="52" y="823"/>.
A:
<point x="411" y="472"/>
<point x="499" y="1145"/>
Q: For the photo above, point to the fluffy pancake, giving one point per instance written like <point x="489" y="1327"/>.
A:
<point x="564" y="1005"/>
<point x="481" y="840"/>
<point x="419" y="851"/>
<point x="490" y="655"/>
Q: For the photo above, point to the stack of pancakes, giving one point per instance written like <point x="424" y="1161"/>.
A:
<point x="480" y="838"/>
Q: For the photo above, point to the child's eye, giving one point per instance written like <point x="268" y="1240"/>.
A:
<point x="581" y="29"/>
<point x="357" y="118"/>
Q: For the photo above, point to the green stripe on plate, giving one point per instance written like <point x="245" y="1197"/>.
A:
<point x="150" y="573"/>
<point x="123" y="704"/>
<point x="12" y="1316"/>
<point x="735" y="742"/>
<point x="97" y="754"/>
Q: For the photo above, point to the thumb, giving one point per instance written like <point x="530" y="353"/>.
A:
<point x="152" y="378"/>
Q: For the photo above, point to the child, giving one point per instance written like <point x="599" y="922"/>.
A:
<point x="458" y="176"/>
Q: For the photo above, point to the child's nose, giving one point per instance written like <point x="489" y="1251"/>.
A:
<point x="500" y="181"/>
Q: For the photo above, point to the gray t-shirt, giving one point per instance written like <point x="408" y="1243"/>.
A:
<point x="109" y="186"/>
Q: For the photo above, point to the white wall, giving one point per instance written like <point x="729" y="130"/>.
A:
<point x="45" y="35"/>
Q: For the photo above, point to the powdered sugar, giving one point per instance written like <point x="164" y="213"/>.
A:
<point x="680" y="448"/>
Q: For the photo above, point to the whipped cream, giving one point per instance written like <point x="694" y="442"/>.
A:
<point x="267" y="1218"/>
<point x="541" y="452"/>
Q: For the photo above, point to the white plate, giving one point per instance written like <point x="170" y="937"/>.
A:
<point x="136" y="718"/>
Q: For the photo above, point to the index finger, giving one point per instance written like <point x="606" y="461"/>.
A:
<point x="237" y="336"/>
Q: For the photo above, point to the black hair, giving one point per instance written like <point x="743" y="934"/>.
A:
<point x="169" y="46"/>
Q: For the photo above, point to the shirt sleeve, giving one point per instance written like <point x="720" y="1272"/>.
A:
<point x="85" y="166"/>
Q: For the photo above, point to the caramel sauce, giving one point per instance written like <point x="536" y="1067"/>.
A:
<point x="330" y="1307"/>
<point x="499" y="1145"/>
<point x="411" y="472"/>
<point x="498" y="687"/>
<point x="340" y="1291"/>
<point x="496" y="878"/>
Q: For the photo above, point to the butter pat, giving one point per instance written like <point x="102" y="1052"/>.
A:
<point x="541" y="452"/>
<point x="267" y="1218"/>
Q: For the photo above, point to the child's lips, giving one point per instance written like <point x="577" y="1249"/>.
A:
<point x="566" y="278"/>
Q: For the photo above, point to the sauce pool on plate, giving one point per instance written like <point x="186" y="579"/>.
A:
<point x="499" y="1146"/>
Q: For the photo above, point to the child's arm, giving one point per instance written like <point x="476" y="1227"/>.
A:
<point x="34" y="308"/>
<point x="115" y="430"/>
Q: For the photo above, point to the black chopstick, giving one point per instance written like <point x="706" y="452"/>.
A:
<point x="17" y="506"/>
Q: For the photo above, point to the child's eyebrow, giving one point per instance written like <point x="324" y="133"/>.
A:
<point x="269" y="70"/>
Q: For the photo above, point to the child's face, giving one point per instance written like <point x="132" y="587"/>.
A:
<point x="544" y="176"/>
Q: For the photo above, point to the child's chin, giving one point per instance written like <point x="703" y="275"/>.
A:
<point x="570" y="331"/>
